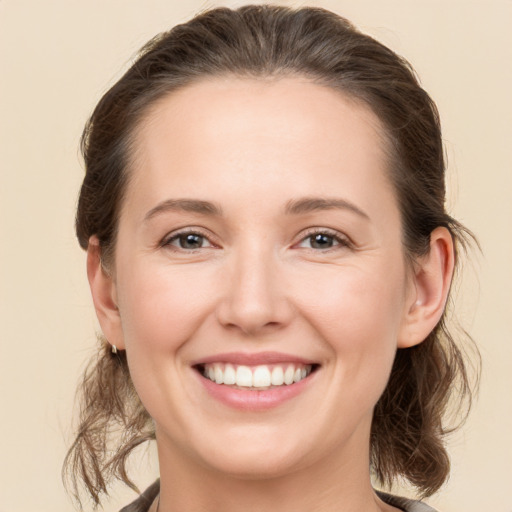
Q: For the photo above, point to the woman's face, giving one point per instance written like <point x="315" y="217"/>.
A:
<point x="260" y="244"/>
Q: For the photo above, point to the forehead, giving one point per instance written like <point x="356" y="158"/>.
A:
<point x="272" y="102"/>
<point x="261" y="133"/>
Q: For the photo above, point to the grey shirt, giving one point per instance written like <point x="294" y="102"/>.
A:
<point x="143" y="502"/>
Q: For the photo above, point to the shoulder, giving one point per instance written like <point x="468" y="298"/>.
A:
<point x="144" y="501"/>
<point x="405" y="504"/>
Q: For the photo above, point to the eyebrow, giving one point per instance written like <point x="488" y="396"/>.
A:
<point x="293" y="207"/>
<point x="312" y="204"/>
<point x="185" y="205"/>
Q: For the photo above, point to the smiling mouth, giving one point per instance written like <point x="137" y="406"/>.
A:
<point x="259" y="377"/>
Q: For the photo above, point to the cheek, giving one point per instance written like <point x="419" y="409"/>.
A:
<point x="353" y="299"/>
<point x="160" y="308"/>
<point x="358" y="313"/>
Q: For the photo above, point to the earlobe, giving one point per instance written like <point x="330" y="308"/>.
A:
<point x="103" y="290"/>
<point x="429" y="290"/>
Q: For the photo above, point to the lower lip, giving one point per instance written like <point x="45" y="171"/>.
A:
<point x="252" y="399"/>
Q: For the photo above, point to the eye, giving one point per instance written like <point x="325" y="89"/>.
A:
<point x="187" y="241"/>
<point x="323" y="240"/>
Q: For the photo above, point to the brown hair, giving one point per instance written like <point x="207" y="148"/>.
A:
<point x="264" y="41"/>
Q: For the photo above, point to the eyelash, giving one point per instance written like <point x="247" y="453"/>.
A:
<point x="167" y="242"/>
<point x="339" y="240"/>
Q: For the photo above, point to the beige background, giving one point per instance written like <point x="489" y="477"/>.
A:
<point x="58" y="56"/>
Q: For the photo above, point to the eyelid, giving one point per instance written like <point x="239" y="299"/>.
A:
<point x="342" y="239"/>
<point x="173" y="235"/>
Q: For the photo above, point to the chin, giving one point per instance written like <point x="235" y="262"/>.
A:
<point x="256" y="468"/>
<point x="256" y="457"/>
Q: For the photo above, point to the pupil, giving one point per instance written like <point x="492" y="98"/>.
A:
<point x="191" y="241"/>
<point x="321" y="241"/>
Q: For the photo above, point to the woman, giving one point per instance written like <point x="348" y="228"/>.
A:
<point x="270" y="258"/>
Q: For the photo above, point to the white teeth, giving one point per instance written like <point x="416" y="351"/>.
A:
<point x="261" y="376"/>
<point x="244" y="376"/>
<point x="277" y="378"/>
<point x="229" y="375"/>
<point x="219" y="376"/>
<point x="288" y="375"/>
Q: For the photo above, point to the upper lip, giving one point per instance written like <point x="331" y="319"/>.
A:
<point x="252" y="359"/>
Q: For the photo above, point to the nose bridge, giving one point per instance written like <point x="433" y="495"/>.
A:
<point x="254" y="298"/>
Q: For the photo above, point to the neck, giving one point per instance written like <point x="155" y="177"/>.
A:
<point x="323" y="486"/>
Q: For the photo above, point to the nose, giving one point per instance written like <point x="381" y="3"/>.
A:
<point x="255" y="297"/>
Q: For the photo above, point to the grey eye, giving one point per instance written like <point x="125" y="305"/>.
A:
<point x="321" y="241"/>
<point x="190" y="241"/>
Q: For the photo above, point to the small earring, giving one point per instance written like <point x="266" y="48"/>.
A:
<point x="114" y="349"/>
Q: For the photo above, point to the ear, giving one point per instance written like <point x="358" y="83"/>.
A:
<point x="429" y="289"/>
<point x="103" y="290"/>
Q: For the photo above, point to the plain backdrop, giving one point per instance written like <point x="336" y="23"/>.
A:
<point x="56" y="59"/>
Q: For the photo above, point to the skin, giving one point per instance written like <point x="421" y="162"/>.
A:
<point x="257" y="282"/>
